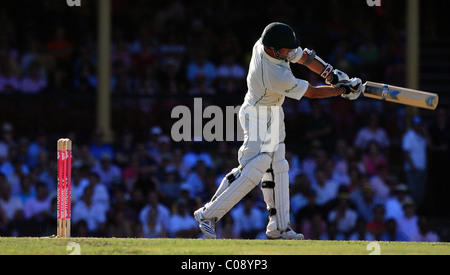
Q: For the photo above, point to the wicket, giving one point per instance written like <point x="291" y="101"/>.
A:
<point x="64" y="163"/>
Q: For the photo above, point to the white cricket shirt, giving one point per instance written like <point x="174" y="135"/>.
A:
<point x="270" y="80"/>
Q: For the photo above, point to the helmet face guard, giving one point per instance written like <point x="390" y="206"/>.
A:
<point x="289" y="56"/>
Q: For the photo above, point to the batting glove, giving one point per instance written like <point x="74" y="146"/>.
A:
<point x="353" y="88"/>
<point x="338" y="77"/>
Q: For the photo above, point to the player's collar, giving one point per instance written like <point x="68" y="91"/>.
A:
<point x="272" y="59"/>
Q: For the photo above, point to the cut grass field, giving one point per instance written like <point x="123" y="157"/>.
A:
<point x="112" y="246"/>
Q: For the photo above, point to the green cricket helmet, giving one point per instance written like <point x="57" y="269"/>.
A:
<point x="279" y="35"/>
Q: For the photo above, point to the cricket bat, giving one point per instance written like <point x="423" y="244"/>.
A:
<point x="401" y="95"/>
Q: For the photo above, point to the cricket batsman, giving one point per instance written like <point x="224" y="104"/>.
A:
<point x="262" y="156"/>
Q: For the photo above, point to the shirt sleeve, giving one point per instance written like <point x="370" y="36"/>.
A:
<point x="281" y="80"/>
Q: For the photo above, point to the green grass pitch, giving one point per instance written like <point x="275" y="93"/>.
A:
<point x="112" y="246"/>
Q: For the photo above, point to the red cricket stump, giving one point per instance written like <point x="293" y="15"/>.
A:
<point x="63" y="192"/>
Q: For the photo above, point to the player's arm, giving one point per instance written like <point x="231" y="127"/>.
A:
<point x="320" y="67"/>
<point x="323" y="91"/>
<point x="340" y="80"/>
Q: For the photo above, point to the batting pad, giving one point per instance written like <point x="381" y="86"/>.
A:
<point x="248" y="179"/>
<point x="275" y="190"/>
<point x="226" y="182"/>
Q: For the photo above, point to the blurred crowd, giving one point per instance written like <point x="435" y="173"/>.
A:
<point x="150" y="187"/>
<point x="359" y="171"/>
<point x="176" y="48"/>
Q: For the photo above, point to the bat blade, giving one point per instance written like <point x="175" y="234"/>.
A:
<point x="401" y="95"/>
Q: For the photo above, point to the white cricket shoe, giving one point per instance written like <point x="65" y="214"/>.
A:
<point x="289" y="234"/>
<point x="208" y="227"/>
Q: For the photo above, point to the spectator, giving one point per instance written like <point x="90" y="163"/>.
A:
<point x="307" y="213"/>
<point x="424" y="234"/>
<point x="373" y="159"/>
<point x="121" y="55"/>
<point x="369" y="54"/>
<point x="201" y="67"/>
<point x="195" y="181"/>
<point x="414" y="145"/>
<point x="377" y="226"/>
<point x="123" y="219"/>
<point x="392" y="234"/>
<point x="332" y="233"/>
<point x="6" y="141"/>
<point x="341" y="160"/>
<point x="171" y="77"/>
<point x="60" y="47"/>
<point x="147" y="55"/>
<point x="366" y="201"/>
<point x="153" y="142"/>
<point x="130" y="173"/>
<point x="19" y="169"/>
<point x="31" y="56"/>
<point x="360" y="232"/>
<point x="100" y="194"/>
<point x="44" y="170"/>
<point x="9" y="75"/>
<point x="27" y="189"/>
<point x="408" y="223"/>
<point x="170" y="187"/>
<point x="34" y="82"/>
<point x="195" y="154"/>
<point x="182" y="223"/>
<point x="226" y="228"/>
<point x="326" y="189"/>
<point x="11" y="205"/>
<point x="163" y="214"/>
<point x="382" y="182"/>
<point x="99" y="147"/>
<point x="372" y="132"/>
<point x="316" y="157"/>
<point x="248" y="219"/>
<point x="319" y="126"/>
<point x="300" y="190"/>
<point x="39" y="207"/>
<point x="109" y="174"/>
<point x="80" y="180"/>
<point x="343" y="217"/>
<point x="177" y="161"/>
<point x="355" y="177"/>
<point x="153" y="228"/>
<point x="231" y="75"/>
<point x="92" y="213"/>
<point x="294" y="164"/>
<point x="85" y="81"/>
<point x="314" y="228"/>
<point x="148" y="84"/>
<point x="200" y="87"/>
<point x="85" y="157"/>
<point x="40" y="144"/>
<point x="394" y="204"/>
<point x="136" y="201"/>
<point x="146" y="181"/>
